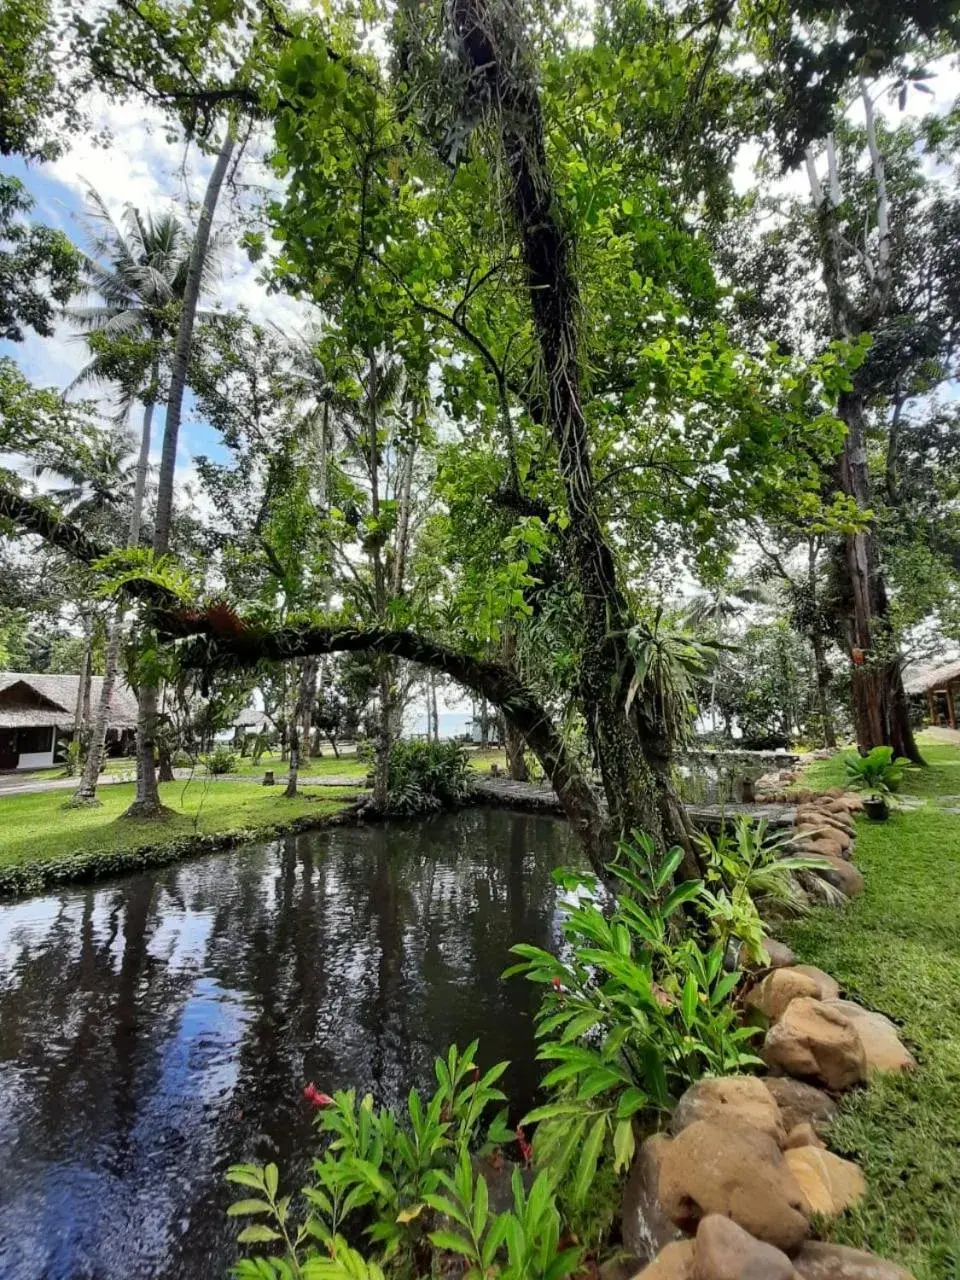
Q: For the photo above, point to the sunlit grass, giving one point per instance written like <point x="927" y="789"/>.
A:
<point x="37" y="826"/>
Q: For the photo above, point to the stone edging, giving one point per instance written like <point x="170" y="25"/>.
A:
<point x="731" y="1189"/>
<point x="95" y="864"/>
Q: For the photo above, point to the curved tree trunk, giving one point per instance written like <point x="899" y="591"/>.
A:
<point x="235" y="650"/>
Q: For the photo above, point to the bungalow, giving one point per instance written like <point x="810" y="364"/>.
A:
<point x="939" y="683"/>
<point x="38" y="712"/>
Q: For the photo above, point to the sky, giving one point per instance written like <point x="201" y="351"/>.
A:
<point x="139" y="167"/>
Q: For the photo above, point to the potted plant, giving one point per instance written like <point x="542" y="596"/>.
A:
<point x="877" y="772"/>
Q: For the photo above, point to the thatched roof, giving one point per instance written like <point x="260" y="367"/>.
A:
<point x="923" y="676"/>
<point x="28" y="700"/>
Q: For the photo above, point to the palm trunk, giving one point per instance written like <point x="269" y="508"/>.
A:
<point x="823" y="691"/>
<point x="433" y="717"/>
<point x="308" y="701"/>
<point x="293" y="772"/>
<point x="86" y="793"/>
<point x="83" y="683"/>
<point x="512" y="739"/>
<point x="181" y="354"/>
<point x="147" y="803"/>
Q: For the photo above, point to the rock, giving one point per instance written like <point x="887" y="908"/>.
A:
<point x="727" y="1100"/>
<point x="830" y="1183"/>
<point x="724" y="1251"/>
<point x="825" y="831"/>
<point x="778" y="953"/>
<point x="829" y="988"/>
<point x="809" y="814"/>
<point x="646" y="1228"/>
<point x="853" y="802"/>
<point x="814" y="1040"/>
<point x="803" y="1135"/>
<point x="673" y="1262"/>
<point x="884" y="1049"/>
<point x="842" y="875"/>
<point x="823" y="847"/>
<point x="772" y="996"/>
<point x="622" y="1266"/>
<point x="820" y="1261"/>
<point x="801" y="1103"/>
<point x="737" y="1171"/>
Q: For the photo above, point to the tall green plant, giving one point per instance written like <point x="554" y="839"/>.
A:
<point x="635" y="1010"/>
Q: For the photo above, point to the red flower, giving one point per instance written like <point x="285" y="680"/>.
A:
<point x="857" y="655"/>
<point x="315" y="1097"/>
<point x="525" y="1148"/>
<point x="555" y="982"/>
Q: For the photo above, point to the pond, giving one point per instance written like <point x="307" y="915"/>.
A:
<point x="157" y="1028"/>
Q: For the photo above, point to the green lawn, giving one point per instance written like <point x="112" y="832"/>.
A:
<point x="897" y="949"/>
<point x="326" y="766"/>
<point x="36" y="827"/>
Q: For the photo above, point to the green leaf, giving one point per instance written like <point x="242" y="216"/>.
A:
<point x="589" y="1156"/>
<point x="248" y="1206"/>
<point x="688" y="1001"/>
<point x="624" y="1144"/>
<point x="257" y="1233"/>
<point x="451" y="1242"/>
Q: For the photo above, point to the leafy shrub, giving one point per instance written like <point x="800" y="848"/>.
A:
<point x="182" y="760"/>
<point x="259" y="746"/>
<point x="73" y="758"/>
<point x="424" y="777"/>
<point x="632" y="1014"/>
<point x="408" y="1184"/>
<point x="877" y="771"/>
<point x="221" y="760"/>
<point x="751" y="872"/>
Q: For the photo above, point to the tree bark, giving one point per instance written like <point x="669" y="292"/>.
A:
<point x="512" y="738"/>
<point x="879" y="704"/>
<point x="308" y="701"/>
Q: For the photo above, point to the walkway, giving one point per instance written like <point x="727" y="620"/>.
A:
<point x="13" y="784"/>
<point x="539" y="797"/>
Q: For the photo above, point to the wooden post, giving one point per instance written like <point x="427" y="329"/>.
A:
<point x="931" y="707"/>
<point x="950" y="710"/>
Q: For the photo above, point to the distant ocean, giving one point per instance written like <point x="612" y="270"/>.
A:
<point x="453" y="724"/>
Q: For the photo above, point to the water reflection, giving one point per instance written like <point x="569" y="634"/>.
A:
<point x="155" y="1029"/>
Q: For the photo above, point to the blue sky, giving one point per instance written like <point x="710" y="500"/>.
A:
<point x="141" y="167"/>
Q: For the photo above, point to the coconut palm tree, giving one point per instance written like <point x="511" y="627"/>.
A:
<point x="140" y="272"/>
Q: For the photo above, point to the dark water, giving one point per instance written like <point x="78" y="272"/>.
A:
<point x="157" y="1028"/>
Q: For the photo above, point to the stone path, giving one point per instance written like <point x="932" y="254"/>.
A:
<point x="539" y="797"/>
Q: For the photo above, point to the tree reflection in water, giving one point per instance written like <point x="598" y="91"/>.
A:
<point x="158" y="1028"/>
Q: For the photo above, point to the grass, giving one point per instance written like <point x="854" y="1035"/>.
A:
<point x="36" y="827"/>
<point x="897" y="949"/>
